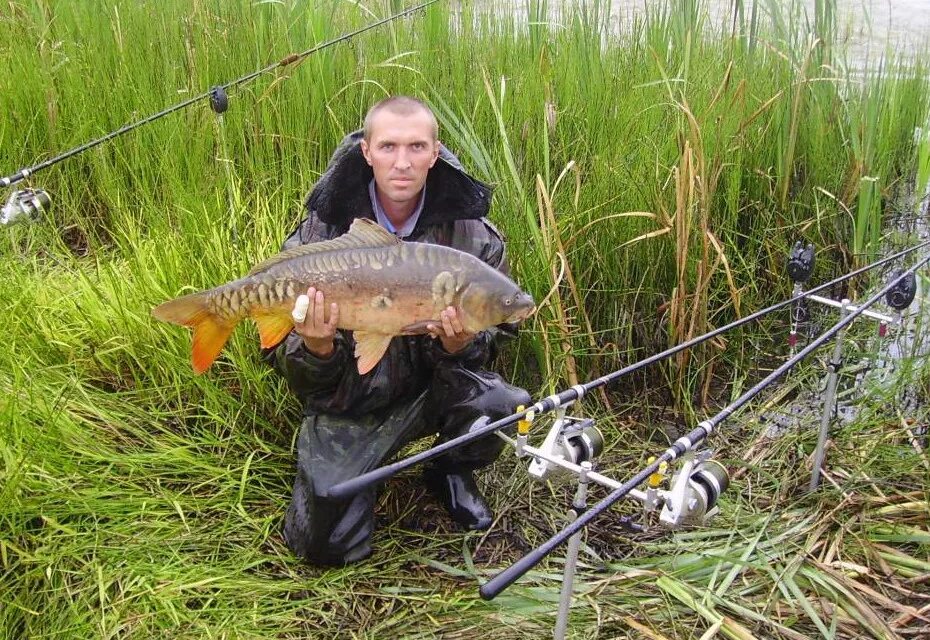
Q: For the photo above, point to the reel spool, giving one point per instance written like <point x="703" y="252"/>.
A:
<point x="581" y="441"/>
<point x="574" y="440"/>
<point x="708" y="481"/>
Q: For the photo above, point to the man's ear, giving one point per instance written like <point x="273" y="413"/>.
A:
<point x="366" y="151"/>
<point x="436" y="146"/>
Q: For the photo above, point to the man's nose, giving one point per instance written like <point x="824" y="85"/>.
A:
<point x="403" y="160"/>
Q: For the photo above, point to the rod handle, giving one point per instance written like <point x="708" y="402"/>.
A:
<point x="479" y="429"/>
<point x="492" y="588"/>
<point x="354" y="485"/>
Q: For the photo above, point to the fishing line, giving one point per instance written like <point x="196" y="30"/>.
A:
<point x="217" y="95"/>
<point x="506" y="577"/>
<point x="354" y="485"/>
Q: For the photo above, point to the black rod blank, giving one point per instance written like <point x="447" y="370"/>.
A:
<point x="356" y="484"/>
<point x="505" y="578"/>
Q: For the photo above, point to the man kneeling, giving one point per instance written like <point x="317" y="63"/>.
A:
<point x="396" y="172"/>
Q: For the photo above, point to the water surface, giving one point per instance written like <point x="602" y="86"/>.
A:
<point x="869" y="29"/>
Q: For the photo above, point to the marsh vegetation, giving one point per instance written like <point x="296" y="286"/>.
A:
<point x="649" y="181"/>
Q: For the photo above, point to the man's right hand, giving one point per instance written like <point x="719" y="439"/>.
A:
<point x="316" y="333"/>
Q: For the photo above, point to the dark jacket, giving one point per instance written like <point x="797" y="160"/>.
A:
<point x="454" y="214"/>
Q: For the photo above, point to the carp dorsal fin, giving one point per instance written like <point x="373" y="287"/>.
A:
<point x="363" y="233"/>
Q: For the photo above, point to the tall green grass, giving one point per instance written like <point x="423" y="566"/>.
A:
<point x="777" y="131"/>
<point x="649" y="177"/>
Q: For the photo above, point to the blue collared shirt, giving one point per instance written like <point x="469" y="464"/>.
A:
<point x="382" y="218"/>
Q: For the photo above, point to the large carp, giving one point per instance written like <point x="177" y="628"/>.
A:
<point x="384" y="288"/>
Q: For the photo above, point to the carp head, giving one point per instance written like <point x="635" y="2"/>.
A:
<point x="486" y="304"/>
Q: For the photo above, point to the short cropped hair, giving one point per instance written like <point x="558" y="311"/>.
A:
<point x="402" y="106"/>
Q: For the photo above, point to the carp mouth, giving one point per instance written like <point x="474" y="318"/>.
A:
<point x="524" y="308"/>
<point x="520" y="316"/>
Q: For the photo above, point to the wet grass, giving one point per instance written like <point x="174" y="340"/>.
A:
<point x="649" y="180"/>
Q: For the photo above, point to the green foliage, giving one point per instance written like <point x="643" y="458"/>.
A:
<point x="649" y="178"/>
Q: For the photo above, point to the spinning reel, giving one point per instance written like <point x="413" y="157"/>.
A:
<point x="574" y="440"/>
<point x="695" y="489"/>
<point x="25" y="205"/>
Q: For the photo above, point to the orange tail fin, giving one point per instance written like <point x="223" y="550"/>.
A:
<point x="210" y="332"/>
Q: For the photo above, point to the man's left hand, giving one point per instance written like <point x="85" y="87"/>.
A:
<point x="451" y="333"/>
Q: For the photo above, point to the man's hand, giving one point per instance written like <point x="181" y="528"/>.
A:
<point x="451" y="333"/>
<point x="318" y="334"/>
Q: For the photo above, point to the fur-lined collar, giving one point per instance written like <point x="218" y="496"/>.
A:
<point x="341" y="194"/>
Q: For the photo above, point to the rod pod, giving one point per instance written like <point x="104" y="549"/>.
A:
<point x="508" y="576"/>
<point x="899" y="297"/>
<point x="829" y="399"/>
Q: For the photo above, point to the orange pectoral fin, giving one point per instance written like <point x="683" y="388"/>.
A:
<point x="420" y="327"/>
<point x="369" y="349"/>
<point x="273" y="328"/>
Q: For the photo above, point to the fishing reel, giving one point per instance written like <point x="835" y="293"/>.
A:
<point x="693" y="493"/>
<point x="574" y="440"/>
<point x="691" y="498"/>
<point x="24" y="205"/>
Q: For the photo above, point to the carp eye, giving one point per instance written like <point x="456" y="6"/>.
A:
<point x="508" y="302"/>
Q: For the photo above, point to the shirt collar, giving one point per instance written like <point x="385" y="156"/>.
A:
<point x="382" y="218"/>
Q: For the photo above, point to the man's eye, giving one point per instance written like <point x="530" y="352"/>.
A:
<point x="387" y="146"/>
<point x="419" y="146"/>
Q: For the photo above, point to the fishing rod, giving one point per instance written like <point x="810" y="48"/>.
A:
<point x="28" y="203"/>
<point x="354" y="485"/>
<point x="572" y="444"/>
<point x="685" y="444"/>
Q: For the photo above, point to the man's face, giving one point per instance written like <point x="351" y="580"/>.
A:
<point x="401" y="151"/>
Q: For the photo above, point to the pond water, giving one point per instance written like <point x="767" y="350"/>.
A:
<point x="868" y="28"/>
